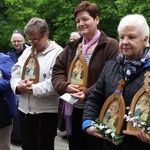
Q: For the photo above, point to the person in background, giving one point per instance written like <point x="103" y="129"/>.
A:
<point x="8" y="103"/>
<point x="97" y="48"/>
<point x="130" y="65"/>
<point x="18" y="43"/>
<point x="61" y="128"/>
<point x="74" y="36"/>
<point x="38" y="101"/>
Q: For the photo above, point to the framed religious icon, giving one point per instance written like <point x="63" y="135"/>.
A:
<point x="78" y="71"/>
<point x="111" y="117"/>
<point x="78" y="74"/>
<point x="139" y="112"/>
<point x="31" y="68"/>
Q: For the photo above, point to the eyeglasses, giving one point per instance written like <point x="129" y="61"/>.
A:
<point x="35" y="40"/>
<point x="18" y="41"/>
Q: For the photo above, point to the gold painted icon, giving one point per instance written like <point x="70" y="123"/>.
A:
<point x="31" y="68"/>
<point x="78" y="71"/>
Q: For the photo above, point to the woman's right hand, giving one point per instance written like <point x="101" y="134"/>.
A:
<point x="71" y="88"/>
<point x="93" y="131"/>
<point x="143" y="136"/>
<point x="25" y="86"/>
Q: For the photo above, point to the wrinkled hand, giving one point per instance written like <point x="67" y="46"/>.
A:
<point x="144" y="136"/>
<point x="79" y="95"/>
<point x="71" y="88"/>
<point x="93" y="131"/>
<point x="25" y="86"/>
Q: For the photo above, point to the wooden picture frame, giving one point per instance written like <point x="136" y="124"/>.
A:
<point x="31" y="69"/>
<point x="113" y="111"/>
<point x="78" y="71"/>
<point x="140" y="106"/>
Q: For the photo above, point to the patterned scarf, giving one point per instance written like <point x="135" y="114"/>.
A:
<point x="131" y="66"/>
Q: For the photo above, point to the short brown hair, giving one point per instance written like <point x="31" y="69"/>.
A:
<point x="91" y="8"/>
<point x="36" y="25"/>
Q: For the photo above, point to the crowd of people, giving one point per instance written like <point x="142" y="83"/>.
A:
<point x="32" y="107"/>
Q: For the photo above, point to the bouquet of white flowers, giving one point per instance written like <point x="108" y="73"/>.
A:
<point x="108" y="133"/>
<point x="138" y="122"/>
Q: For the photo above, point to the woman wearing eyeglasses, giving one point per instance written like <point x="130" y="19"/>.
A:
<point x="38" y="102"/>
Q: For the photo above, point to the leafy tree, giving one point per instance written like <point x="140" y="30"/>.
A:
<point x="60" y="19"/>
<point x="59" y="15"/>
<point x="15" y="15"/>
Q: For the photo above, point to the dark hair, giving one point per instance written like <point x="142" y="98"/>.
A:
<point x="91" y="8"/>
<point x="20" y="32"/>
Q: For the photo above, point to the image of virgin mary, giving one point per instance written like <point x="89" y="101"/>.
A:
<point x="77" y="73"/>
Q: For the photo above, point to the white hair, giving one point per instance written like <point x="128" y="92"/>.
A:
<point x="74" y="36"/>
<point x="137" y="20"/>
<point x="75" y="33"/>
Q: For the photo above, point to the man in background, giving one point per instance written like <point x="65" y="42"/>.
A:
<point x="18" y="43"/>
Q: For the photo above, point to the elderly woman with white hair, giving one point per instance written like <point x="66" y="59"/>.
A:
<point x="74" y="36"/>
<point x="130" y="65"/>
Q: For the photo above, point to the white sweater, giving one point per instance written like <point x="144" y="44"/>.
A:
<point x="44" y="99"/>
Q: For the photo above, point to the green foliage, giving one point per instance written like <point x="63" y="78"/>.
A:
<point x="109" y="18"/>
<point x="60" y="18"/>
<point x="14" y="14"/>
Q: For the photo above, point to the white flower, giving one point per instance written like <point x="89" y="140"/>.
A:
<point x="148" y="128"/>
<point x="134" y="124"/>
<point x="128" y="118"/>
<point x="131" y="119"/>
<point x="125" y="116"/>
<point x="143" y="123"/>
<point x="112" y="135"/>
<point x="129" y="112"/>
<point x="101" y="127"/>
<point x="108" y="131"/>
<point x="137" y="122"/>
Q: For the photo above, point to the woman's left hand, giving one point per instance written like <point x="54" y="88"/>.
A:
<point x="79" y="95"/>
<point x="143" y="136"/>
<point x="93" y="131"/>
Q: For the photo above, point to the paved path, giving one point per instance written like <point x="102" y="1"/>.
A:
<point x="60" y="144"/>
